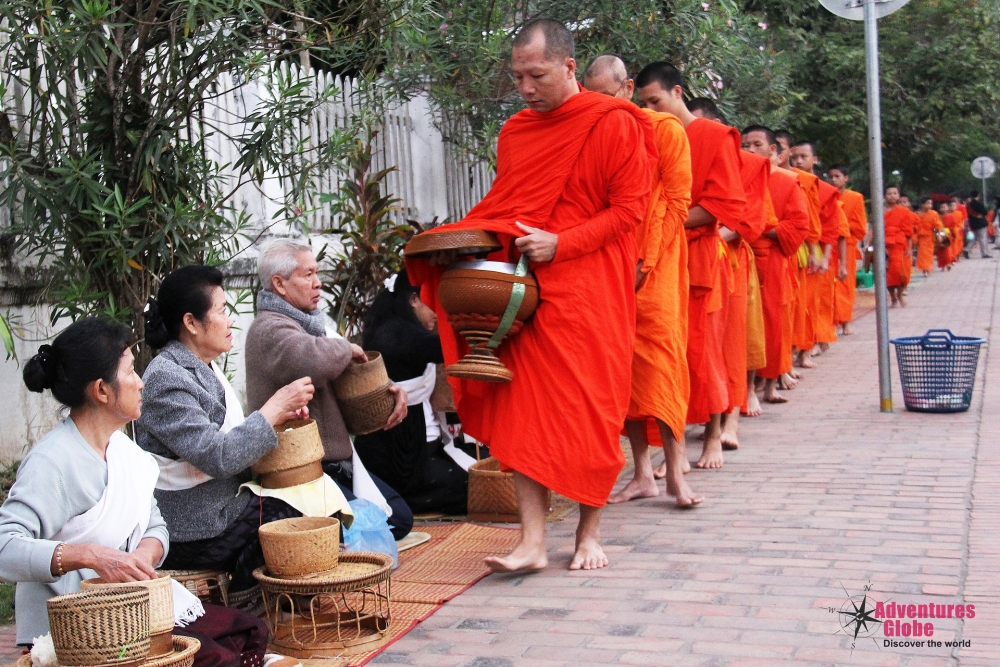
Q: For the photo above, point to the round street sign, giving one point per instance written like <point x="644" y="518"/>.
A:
<point x="854" y="10"/>
<point x="983" y="167"/>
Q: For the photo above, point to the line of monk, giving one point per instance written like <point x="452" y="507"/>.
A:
<point x="682" y="266"/>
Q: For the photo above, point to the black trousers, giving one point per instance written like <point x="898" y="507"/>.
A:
<point x="235" y="550"/>
<point x="401" y="521"/>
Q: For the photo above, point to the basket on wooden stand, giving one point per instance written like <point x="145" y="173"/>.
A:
<point x="301" y="547"/>
<point x="161" y="609"/>
<point x="101" y="627"/>
<point x="364" y="396"/>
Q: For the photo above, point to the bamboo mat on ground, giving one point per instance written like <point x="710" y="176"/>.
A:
<point x="431" y="574"/>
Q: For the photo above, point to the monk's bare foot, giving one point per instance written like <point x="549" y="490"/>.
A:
<point x="845" y="329"/>
<point x="636" y="488"/>
<point x="711" y="455"/>
<point x="823" y="347"/>
<point x="902" y="301"/>
<point x="730" y="441"/>
<point x="679" y="489"/>
<point x="661" y="471"/>
<point x="787" y="382"/>
<point x="524" y="558"/>
<point x="817" y="350"/>
<point x="794" y="374"/>
<point x="685" y="466"/>
<point x="589" y="555"/>
<point x="805" y="361"/>
<point x="753" y="405"/>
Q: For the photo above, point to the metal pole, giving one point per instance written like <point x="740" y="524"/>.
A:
<point x="878" y="191"/>
<point x="984" y="192"/>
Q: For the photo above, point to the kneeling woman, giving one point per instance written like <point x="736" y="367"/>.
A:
<point x="412" y="457"/>
<point x="194" y="427"/>
<point x="82" y="505"/>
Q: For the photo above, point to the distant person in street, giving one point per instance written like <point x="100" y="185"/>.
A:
<point x="857" y="222"/>
<point x="930" y="221"/>
<point x="898" y="232"/>
<point x="913" y="224"/>
<point x="978" y="224"/>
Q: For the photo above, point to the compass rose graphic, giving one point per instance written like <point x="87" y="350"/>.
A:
<point x="857" y="616"/>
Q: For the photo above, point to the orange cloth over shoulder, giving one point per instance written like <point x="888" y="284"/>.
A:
<point x="790" y="224"/>
<point x="929" y="222"/>
<point x="804" y="313"/>
<point x="582" y="171"/>
<point x="898" y="230"/>
<point x="717" y="187"/>
<point x="834" y="227"/>
<point x="660" y="382"/>
<point x="857" y="223"/>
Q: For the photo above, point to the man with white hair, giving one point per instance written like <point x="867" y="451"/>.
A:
<point x="288" y="337"/>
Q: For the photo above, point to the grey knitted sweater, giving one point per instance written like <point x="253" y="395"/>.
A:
<point x="183" y="407"/>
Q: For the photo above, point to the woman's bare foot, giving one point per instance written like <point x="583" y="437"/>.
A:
<point x="753" y="405"/>
<point x="524" y="558"/>
<point x="636" y="488"/>
<point x="589" y="555"/>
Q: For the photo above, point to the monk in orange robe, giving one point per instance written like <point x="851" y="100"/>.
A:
<point x="911" y="227"/>
<point x="898" y="231"/>
<point x="572" y="184"/>
<point x="717" y="201"/>
<point x="961" y="216"/>
<point x="857" y="223"/>
<point x="784" y="234"/>
<point x="930" y="222"/>
<point x="660" y="381"/>
<point x="804" y="334"/>
<point x="946" y="255"/>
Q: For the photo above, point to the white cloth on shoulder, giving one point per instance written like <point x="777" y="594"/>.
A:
<point x="121" y="516"/>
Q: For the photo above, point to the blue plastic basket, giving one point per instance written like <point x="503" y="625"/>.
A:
<point x="937" y="370"/>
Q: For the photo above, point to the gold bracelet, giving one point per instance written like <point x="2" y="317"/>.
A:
<point x="59" y="552"/>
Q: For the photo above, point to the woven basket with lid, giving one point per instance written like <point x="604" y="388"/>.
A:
<point x="300" y="547"/>
<point x="105" y="626"/>
<point x="161" y="609"/>
<point x="296" y="460"/>
<point x="363" y="395"/>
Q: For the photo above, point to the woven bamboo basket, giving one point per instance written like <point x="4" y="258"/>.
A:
<point x="107" y="626"/>
<point x="363" y="395"/>
<point x="181" y="653"/>
<point x="297" y="459"/>
<point x="300" y="547"/>
<point x="161" y="609"/>
<point x="492" y="496"/>
<point x="211" y="586"/>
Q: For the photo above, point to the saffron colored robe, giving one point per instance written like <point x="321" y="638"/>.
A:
<point x="660" y="380"/>
<point x="717" y="187"/>
<point x="857" y="223"/>
<point x="582" y="171"/>
<point x="946" y="256"/>
<point x="804" y="334"/>
<point x="834" y="227"/>
<point x="789" y="223"/>
<point x="929" y="222"/>
<point x="898" y="230"/>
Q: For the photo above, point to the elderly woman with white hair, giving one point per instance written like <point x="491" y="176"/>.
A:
<point x="288" y="339"/>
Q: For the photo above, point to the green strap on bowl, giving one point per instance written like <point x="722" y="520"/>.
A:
<point x="514" y="305"/>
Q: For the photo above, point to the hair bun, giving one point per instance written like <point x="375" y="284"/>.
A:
<point x="156" y="331"/>
<point x="41" y="371"/>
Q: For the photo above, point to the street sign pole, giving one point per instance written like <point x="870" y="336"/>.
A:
<point x="878" y="207"/>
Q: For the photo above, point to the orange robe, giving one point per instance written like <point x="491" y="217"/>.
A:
<point x="898" y="230"/>
<point x="857" y="223"/>
<point x="834" y="227"/>
<point x="660" y="381"/>
<point x="929" y="222"/>
<point x="582" y="171"/>
<point x="804" y="334"/>
<point x="716" y="187"/>
<point x="912" y="226"/>
<point x="754" y="173"/>
<point x="789" y="220"/>
<point x="946" y="256"/>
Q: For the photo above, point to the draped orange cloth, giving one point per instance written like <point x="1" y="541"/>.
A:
<point x="929" y="222"/>
<point x="958" y="234"/>
<point x="803" y="331"/>
<point x="898" y="230"/>
<point x="789" y="220"/>
<point x="834" y="227"/>
<point x="582" y="171"/>
<point x="857" y="222"/>
<point x="660" y="381"/>
<point x="754" y="173"/>
<point x="716" y="186"/>
<point x="946" y="256"/>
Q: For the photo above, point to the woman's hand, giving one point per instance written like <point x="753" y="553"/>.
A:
<point x="399" y="411"/>
<point x="358" y="354"/>
<point x="289" y="402"/>
<point x="111" y="565"/>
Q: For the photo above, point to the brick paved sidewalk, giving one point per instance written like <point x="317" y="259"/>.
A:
<point x="826" y="493"/>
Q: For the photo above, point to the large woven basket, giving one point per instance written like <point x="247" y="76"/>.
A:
<point x="492" y="496"/>
<point x="300" y="547"/>
<point x="296" y="460"/>
<point x="107" y="626"/>
<point x="161" y="609"/>
<point x="363" y="395"/>
<point x="211" y="586"/>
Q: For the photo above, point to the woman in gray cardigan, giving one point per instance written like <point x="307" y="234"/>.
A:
<point x="205" y="454"/>
<point x="82" y="504"/>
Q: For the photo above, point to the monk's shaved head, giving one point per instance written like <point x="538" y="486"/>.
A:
<point x="607" y="74"/>
<point x="703" y="107"/>
<point x="662" y="73"/>
<point x="559" y="43"/>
